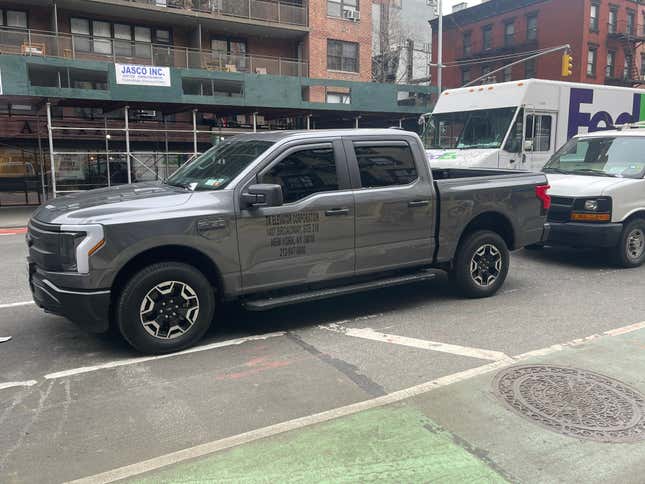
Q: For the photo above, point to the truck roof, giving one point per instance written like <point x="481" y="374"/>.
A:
<point x="322" y="133"/>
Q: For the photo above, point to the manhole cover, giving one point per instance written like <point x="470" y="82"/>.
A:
<point x="574" y="402"/>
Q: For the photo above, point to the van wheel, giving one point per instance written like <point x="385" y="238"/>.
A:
<point x="481" y="264"/>
<point x="630" y="251"/>
<point x="165" y="307"/>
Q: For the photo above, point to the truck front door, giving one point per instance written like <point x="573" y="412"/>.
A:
<point x="539" y="139"/>
<point x="395" y="208"/>
<point x="311" y="236"/>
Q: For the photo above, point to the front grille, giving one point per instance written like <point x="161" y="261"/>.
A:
<point x="43" y="241"/>
<point x="560" y="210"/>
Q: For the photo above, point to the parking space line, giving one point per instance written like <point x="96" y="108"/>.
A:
<point x="16" y="304"/>
<point x="13" y="384"/>
<point x="143" y="359"/>
<point x="370" y="334"/>
<point x="265" y="432"/>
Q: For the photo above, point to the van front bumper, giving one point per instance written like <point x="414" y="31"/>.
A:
<point x="88" y="309"/>
<point x="584" y="235"/>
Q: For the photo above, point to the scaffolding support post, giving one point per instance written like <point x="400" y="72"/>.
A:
<point x="356" y="121"/>
<point x="255" y="122"/>
<point x="308" y="122"/>
<point x="127" y="143"/>
<point x="107" y="152"/>
<point x="51" y="148"/>
<point x="194" y="132"/>
<point x="400" y="123"/>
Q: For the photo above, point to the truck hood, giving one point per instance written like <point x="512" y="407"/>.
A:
<point x="484" y="158"/>
<point x="583" y="186"/>
<point x="107" y="204"/>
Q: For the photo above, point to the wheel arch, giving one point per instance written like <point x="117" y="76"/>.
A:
<point x="493" y="221"/>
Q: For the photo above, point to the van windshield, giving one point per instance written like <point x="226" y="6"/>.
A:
<point x="485" y="128"/>
<point x="217" y="167"/>
<point x="613" y="156"/>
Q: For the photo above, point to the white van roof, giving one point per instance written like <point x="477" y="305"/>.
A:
<point x="540" y="93"/>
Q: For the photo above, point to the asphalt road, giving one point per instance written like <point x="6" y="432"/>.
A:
<point x="56" y="427"/>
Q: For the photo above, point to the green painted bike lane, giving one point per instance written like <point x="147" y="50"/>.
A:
<point x="457" y="433"/>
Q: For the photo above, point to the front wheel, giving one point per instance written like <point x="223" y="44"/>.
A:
<point x="630" y="251"/>
<point x="165" y="307"/>
<point x="481" y="264"/>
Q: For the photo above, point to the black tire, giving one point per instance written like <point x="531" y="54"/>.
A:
<point x="150" y="292"/>
<point x="630" y="251"/>
<point x="493" y="261"/>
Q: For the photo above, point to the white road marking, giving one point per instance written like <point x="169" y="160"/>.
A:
<point x="133" y="361"/>
<point x="247" y="437"/>
<point x="16" y="304"/>
<point x="13" y="384"/>
<point x="368" y="333"/>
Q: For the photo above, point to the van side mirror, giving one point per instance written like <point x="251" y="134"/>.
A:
<point x="263" y="195"/>
<point x="528" y="145"/>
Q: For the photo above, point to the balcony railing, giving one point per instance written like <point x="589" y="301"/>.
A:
<point x="280" y="11"/>
<point x="81" y="47"/>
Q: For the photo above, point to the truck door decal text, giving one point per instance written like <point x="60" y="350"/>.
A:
<point x="291" y="233"/>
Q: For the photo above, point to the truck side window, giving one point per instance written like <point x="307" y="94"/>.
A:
<point x="538" y="129"/>
<point x="384" y="166"/>
<point x="304" y="173"/>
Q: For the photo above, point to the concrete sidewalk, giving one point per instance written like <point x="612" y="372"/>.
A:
<point x="15" y="217"/>
<point x="461" y="432"/>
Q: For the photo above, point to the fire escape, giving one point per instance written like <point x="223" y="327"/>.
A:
<point x="630" y="37"/>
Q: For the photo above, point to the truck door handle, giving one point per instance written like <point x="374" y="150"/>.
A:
<point x="419" y="203"/>
<point x="337" y="211"/>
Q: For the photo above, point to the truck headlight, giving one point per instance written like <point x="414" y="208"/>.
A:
<point x="77" y="244"/>
<point x="597" y="209"/>
<point x="591" y="205"/>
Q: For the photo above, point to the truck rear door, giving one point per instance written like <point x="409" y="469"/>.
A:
<point x="311" y="236"/>
<point x="539" y="132"/>
<point x="395" y="205"/>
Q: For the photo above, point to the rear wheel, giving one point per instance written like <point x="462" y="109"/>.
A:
<point x="165" y="307"/>
<point x="630" y="251"/>
<point x="481" y="264"/>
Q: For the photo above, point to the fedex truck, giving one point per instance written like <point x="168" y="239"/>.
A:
<point x="520" y="124"/>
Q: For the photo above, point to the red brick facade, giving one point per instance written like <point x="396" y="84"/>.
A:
<point x="557" y="22"/>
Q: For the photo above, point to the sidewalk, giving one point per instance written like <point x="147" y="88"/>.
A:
<point x="463" y="432"/>
<point x="15" y="217"/>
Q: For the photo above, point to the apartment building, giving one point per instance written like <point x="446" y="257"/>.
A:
<point x="606" y="38"/>
<point x="101" y="92"/>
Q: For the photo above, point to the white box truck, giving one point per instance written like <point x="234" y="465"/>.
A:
<point x="520" y="124"/>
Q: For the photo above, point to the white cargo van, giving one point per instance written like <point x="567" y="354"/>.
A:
<point x="520" y="124"/>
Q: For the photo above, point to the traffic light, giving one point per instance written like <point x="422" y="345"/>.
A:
<point x="567" y="65"/>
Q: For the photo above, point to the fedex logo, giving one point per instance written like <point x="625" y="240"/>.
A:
<point x="601" y="119"/>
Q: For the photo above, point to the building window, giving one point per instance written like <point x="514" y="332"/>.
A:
<point x="642" y="71"/>
<point x="468" y="43"/>
<point x="509" y="34"/>
<point x="15" y="18"/>
<point x="593" y="17"/>
<point x="335" y="8"/>
<point x="610" y="69"/>
<point x="339" y="98"/>
<point x="342" y="56"/>
<point x="508" y="74"/>
<point x="487" y="37"/>
<point x="629" y="61"/>
<point x="465" y="75"/>
<point x="531" y="27"/>
<point x="613" y="20"/>
<point x="592" y="57"/>
<point x="631" y="17"/>
<point x="530" y="68"/>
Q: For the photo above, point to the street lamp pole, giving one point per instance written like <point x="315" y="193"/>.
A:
<point x="439" y="48"/>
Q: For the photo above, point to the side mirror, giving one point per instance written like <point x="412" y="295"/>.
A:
<point x="528" y="145"/>
<point x="263" y="195"/>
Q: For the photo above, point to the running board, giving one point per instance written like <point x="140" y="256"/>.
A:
<point x="274" y="302"/>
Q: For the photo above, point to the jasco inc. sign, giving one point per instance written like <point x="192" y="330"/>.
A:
<point x="142" y="75"/>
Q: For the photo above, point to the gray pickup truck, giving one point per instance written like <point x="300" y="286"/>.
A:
<point x="273" y="219"/>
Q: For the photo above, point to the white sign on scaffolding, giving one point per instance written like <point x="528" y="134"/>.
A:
<point x="142" y="75"/>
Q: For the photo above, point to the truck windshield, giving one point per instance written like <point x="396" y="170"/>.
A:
<point x="214" y="169"/>
<point x="484" y="128"/>
<point x="600" y="156"/>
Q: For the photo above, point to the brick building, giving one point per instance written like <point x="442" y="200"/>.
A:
<point x="606" y="38"/>
<point x="227" y="66"/>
